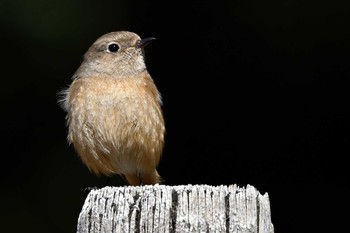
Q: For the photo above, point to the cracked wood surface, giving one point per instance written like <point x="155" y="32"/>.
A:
<point x="185" y="208"/>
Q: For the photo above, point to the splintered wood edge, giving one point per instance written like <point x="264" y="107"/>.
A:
<point x="184" y="208"/>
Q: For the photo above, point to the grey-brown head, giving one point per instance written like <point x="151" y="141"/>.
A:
<point x="118" y="54"/>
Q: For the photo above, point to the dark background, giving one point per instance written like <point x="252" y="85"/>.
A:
<point x="255" y="92"/>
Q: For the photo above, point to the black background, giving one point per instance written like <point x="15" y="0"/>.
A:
<point x="254" y="92"/>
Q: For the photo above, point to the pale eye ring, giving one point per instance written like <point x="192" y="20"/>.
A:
<point x="112" y="47"/>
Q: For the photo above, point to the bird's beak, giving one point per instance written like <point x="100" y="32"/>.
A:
<point x="143" y="42"/>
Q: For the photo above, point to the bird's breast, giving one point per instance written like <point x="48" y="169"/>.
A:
<point x="115" y="114"/>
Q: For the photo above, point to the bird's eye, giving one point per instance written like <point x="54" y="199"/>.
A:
<point x="113" y="48"/>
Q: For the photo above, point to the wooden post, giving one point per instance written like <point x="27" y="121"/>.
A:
<point x="189" y="208"/>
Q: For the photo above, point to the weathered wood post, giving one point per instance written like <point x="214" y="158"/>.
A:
<point x="189" y="208"/>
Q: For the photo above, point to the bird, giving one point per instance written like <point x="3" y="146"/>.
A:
<point x="114" y="110"/>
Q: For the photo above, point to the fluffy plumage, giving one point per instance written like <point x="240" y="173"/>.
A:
<point x="114" y="111"/>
